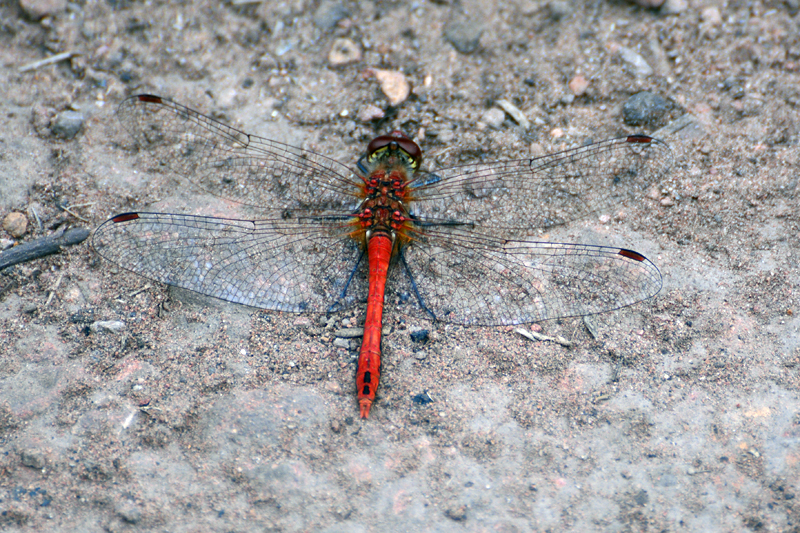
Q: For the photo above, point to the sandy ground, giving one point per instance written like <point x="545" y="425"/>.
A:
<point x="678" y="414"/>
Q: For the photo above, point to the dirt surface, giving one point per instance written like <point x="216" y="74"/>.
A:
<point x="187" y="413"/>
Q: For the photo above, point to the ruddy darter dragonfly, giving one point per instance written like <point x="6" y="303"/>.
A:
<point x="451" y="246"/>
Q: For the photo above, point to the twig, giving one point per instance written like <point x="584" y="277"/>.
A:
<point x="42" y="246"/>
<point x="53" y="290"/>
<point x="36" y="216"/>
<point x="65" y="208"/>
<point x="532" y="335"/>
<point x="139" y="291"/>
<point x="46" y="61"/>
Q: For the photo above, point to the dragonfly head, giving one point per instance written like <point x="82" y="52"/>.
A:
<point x="396" y="143"/>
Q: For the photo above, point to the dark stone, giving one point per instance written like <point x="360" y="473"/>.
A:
<point x="67" y="124"/>
<point x="329" y="14"/>
<point x="421" y="399"/>
<point x="464" y="35"/>
<point x="644" y="108"/>
<point x="420" y="335"/>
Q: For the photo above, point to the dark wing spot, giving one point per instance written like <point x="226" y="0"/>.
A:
<point x="150" y="99"/>
<point x="125" y="217"/>
<point x="630" y="254"/>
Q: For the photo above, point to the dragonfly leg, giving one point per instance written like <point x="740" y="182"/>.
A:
<point x="414" y="285"/>
<point x="338" y="304"/>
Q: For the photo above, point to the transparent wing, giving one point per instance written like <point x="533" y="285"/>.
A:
<point x="282" y="265"/>
<point x="232" y="164"/>
<point x="473" y="278"/>
<point x="544" y="191"/>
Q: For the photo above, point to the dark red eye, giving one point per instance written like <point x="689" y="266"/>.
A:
<point x="403" y="142"/>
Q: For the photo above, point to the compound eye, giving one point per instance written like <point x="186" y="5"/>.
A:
<point x="409" y="147"/>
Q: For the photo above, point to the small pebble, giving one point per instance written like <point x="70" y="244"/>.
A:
<point x="464" y="35"/>
<point x="343" y="52"/>
<point x="349" y="333"/>
<point x="302" y="322"/>
<point x="420" y="335"/>
<point x="32" y="459"/>
<point x="67" y="124"/>
<point x="644" y="108"/>
<point x="128" y="511"/>
<point x="16" y="224"/>
<point x="37" y="9"/>
<point x="84" y="316"/>
<point x="107" y="325"/>
<point x="674" y="7"/>
<point x="422" y="399"/>
<point x="515" y="113"/>
<point x="329" y="14"/>
<point x="559" y="9"/>
<point x="635" y="63"/>
<point x="370" y="112"/>
<point x="341" y="343"/>
<point x="711" y="16"/>
<point x="393" y="84"/>
<point x="578" y="85"/>
<point x="493" y="118"/>
<point x="457" y="513"/>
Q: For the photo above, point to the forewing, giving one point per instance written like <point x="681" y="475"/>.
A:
<point x="472" y="278"/>
<point x="544" y="191"/>
<point x="283" y="265"/>
<point x="232" y="164"/>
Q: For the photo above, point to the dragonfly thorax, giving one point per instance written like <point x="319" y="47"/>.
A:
<point x="383" y="214"/>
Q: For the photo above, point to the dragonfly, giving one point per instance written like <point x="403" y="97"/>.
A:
<point x="458" y="245"/>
